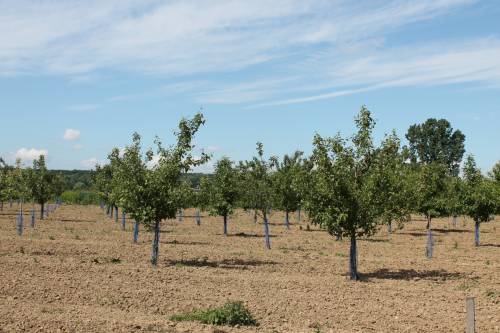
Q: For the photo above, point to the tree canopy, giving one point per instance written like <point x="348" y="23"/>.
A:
<point x="435" y="141"/>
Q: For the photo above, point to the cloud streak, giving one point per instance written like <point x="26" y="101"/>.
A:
<point x="280" y="52"/>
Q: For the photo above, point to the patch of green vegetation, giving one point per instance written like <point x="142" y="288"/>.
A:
<point x="316" y="327"/>
<point x="232" y="313"/>
<point x="115" y="260"/>
<point x="52" y="237"/>
<point x="455" y="245"/>
<point x="339" y="254"/>
<point x="179" y="264"/>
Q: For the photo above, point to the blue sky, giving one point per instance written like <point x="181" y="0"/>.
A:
<point x="77" y="78"/>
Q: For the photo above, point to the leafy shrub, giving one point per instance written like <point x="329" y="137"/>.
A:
<point x="232" y="313"/>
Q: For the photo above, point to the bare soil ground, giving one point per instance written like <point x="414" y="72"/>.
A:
<point x="79" y="272"/>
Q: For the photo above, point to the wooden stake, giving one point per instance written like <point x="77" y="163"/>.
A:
<point x="471" y="320"/>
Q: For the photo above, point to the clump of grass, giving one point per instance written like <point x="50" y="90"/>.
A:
<point x="115" y="260"/>
<point x="232" y="313"/>
<point x="455" y="245"/>
<point x="52" y="237"/>
<point x="339" y="254"/>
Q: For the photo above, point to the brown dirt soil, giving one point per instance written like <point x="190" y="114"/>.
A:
<point x="78" y="272"/>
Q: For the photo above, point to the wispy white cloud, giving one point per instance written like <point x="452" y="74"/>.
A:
<point x="302" y="50"/>
<point x="78" y="146"/>
<point x="433" y="64"/>
<point x="71" y="134"/>
<point x="181" y="37"/>
<point x="30" y="154"/>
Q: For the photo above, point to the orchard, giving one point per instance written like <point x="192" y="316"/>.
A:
<point x="357" y="229"/>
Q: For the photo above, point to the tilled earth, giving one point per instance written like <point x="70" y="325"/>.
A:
<point x="78" y="271"/>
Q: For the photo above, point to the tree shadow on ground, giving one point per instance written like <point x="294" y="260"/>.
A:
<point x="374" y="240"/>
<point x="176" y="242"/>
<point x="410" y="274"/>
<point x="451" y="230"/>
<point x="489" y="245"/>
<point x="245" y="235"/>
<point x="77" y="220"/>
<point x="224" y="263"/>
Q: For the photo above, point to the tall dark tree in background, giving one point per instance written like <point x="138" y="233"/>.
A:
<point x="435" y="141"/>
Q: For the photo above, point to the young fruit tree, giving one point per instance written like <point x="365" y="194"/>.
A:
<point x="284" y="181"/>
<point x="345" y="185"/>
<point x="257" y="182"/>
<point x="3" y="182"/>
<point x="102" y="180"/>
<point x="455" y="198"/>
<point x="41" y="183"/>
<point x="221" y="190"/>
<point x="149" y="186"/>
<point x="392" y="177"/>
<point x="480" y="196"/>
<point x="430" y="196"/>
<point x="18" y="184"/>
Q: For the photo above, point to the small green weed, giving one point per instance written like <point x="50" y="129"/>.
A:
<point x="339" y="254"/>
<point x="52" y="237"/>
<point x="232" y="313"/>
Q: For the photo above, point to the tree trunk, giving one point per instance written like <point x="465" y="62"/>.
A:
<point x="123" y="220"/>
<point x="225" y="224"/>
<point x="299" y="214"/>
<point x="266" y="232"/>
<point x="10" y="203"/>
<point x="156" y="244"/>
<point x="454" y="221"/>
<point x="116" y="213"/>
<point x="255" y="216"/>
<point x="198" y="218"/>
<point x="287" y="221"/>
<point x="19" y="224"/>
<point x="33" y="217"/>
<point x="136" y="231"/>
<point x="476" y="234"/>
<point x="353" y="259"/>
<point x="111" y="211"/>
<point x="1" y="205"/>
<point x="430" y="241"/>
<point x="389" y="227"/>
<point x="42" y="210"/>
<point x="107" y="210"/>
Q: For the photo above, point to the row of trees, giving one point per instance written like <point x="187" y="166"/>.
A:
<point x="29" y="184"/>
<point x="348" y="186"/>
